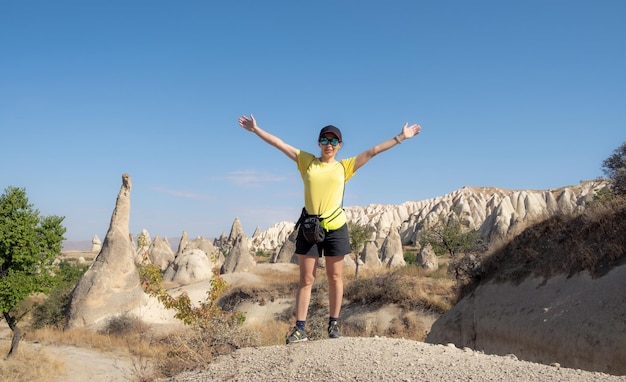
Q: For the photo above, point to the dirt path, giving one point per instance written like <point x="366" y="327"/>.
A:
<point x="80" y="364"/>
<point x="379" y="359"/>
<point x="86" y="365"/>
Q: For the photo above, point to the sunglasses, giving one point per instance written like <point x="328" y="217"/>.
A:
<point x="332" y="141"/>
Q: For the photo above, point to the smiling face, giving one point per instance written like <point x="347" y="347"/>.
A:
<point x="330" y="144"/>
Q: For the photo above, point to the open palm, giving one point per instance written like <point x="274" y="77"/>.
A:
<point x="411" y="131"/>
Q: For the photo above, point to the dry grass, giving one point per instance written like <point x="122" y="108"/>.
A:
<point x="272" y="333"/>
<point x="138" y="344"/>
<point x="277" y="279"/>
<point x="75" y="337"/>
<point x="407" y="287"/>
<point x="30" y="364"/>
<point x="593" y="241"/>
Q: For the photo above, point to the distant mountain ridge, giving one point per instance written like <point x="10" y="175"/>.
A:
<point x="494" y="212"/>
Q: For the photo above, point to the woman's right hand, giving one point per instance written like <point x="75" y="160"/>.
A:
<point x="248" y="123"/>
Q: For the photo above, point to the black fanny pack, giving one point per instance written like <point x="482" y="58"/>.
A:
<point x="311" y="226"/>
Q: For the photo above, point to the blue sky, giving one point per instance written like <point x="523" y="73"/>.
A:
<point x="511" y="94"/>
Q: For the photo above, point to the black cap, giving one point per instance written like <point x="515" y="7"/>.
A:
<point x="332" y="130"/>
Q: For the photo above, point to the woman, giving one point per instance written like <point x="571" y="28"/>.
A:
<point x="324" y="179"/>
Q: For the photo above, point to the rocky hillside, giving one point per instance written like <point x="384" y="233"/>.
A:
<point x="495" y="212"/>
<point x="554" y="294"/>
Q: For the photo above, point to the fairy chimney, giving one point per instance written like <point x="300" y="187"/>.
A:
<point x="111" y="284"/>
<point x="287" y="252"/>
<point x="239" y="259"/>
<point x="96" y="244"/>
<point x="160" y="252"/>
<point x="369" y="255"/>
<point x="184" y="241"/>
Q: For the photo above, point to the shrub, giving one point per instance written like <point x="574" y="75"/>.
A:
<point x="53" y="310"/>
<point x="200" y="346"/>
<point x="124" y="325"/>
<point x="214" y="330"/>
<point x="410" y="256"/>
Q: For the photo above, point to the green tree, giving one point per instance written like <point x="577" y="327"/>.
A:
<point x="449" y="237"/>
<point x="615" y="168"/>
<point x="28" y="244"/>
<point x="358" y="236"/>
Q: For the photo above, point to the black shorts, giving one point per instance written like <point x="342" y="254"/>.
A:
<point x="336" y="243"/>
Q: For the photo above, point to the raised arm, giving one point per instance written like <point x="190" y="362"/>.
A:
<point x="407" y="133"/>
<point x="250" y="125"/>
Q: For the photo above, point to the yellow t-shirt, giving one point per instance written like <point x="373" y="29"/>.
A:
<point x="323" y="187"/>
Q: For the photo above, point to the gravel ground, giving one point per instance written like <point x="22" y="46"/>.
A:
<point x="378" y="359"/>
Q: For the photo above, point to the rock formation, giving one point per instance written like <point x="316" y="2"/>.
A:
<point x="391" y="253"/>
<point x="272" y="238"/>
<point x="553" y="294"/>
<point x="370" y="256"/>
<point x="206" y="245"/>
<point x="495" y="212"/>
<point x="203" y="244"/>
<point x="396" y="261"/>
<point x="160" y="252"/>
<point x="236" y="231"/>
<point x="287" y="252"/>
<point x="221" y="242"/>
<point x="575" y="321"/>
<point x="257" y="232"/>
<point x="111" y="284"/>
<point x="348" y="261"/>
<point x="239" y="258"/>
<point x="96" y="244"/>
<point x="184" y="241"/>
<point x="427" y="259"/>
<point x="226" y="243"/>
<point x="191" y="266"/>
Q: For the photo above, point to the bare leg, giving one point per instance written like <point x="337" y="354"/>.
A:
<point x="334" y="273"/>
<point x="307" y="265"/>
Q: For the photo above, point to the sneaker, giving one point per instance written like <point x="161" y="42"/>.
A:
<point x="298" y="335"/>
<point x="333" y="330"/>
